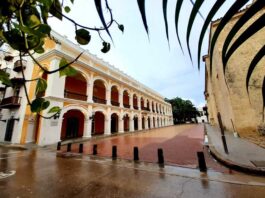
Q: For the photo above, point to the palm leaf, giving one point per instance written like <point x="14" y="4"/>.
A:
<point x="141" y="5"/>
<point x="250" y="31"/>
<point x="165" y="17"/>
<point x="210" y="16"/>
<point x="177" y="12"/>
<point x="193" y="14"/>
<point x="192" y="2"/>
<point x="257" y="6"/>
<point x="253" y="64"/>
<point x="101" y="16"/>
<point x="229" y="14"/>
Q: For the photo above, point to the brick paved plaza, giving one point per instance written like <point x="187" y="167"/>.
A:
<point x="180" y="145"/>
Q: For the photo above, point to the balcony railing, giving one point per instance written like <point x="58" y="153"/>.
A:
<point x="10" y="102"/>
<point x="76" y="96"/>
<point x="99" y="100"/>
<point x="145" y="109"/>
<point x="126" y="106"/>
<point x="135" y="107"/>
<point x="114" y="103"/>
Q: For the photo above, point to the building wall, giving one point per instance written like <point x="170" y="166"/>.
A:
<point x="227" y="93"/>
<point x="48" y="131"/>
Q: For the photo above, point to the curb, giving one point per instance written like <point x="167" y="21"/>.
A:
<point x="234" y="165"/>
<point x="13" y="146"/>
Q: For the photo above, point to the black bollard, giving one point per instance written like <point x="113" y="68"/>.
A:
<point x="95" y="149"/>
<point x="114" y="152"/>
<point x="59" y="146"/>
<point x="201" y="161"/>
<point x="135" y="153"/>
<point x="81" y="148"/>
<point x="160" y="156"/>
<point x="69" y="145"/>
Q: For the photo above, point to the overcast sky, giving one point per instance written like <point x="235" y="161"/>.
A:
<point x="152" y="61"/>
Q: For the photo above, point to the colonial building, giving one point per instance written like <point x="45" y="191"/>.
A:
<point x="226" y="92"/>
<point x="100" y="99"/>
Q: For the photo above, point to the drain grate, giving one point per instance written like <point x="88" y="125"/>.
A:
<point x="260" y="164"/>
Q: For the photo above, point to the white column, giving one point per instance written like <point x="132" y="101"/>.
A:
<point x="121" y="98"/>
<point x="151" y="122"/>
<point x="140" y="122"/>
<point x="139" y="102"/>
<point x="131" y="124"/>
<point x="108" y="96"/>
<point x="121" y="125"/>
<point x="131" y="101"/>
<point x="89" y="92"/>
<point x="146" y="123"/>
<point x="108" y="122"/>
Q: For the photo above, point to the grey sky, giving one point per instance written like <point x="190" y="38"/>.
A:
<point x="149" y="61"/>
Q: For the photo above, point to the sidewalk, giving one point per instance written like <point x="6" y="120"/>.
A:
<point x="241" y="155"/>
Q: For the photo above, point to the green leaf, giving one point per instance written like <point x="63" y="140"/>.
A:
<point x="56" y="9"/>
<point x="227" y="17"/>
<point x="68" y="70"/>
<point x="194" y="12"/>
<point x="33" y="21"/>
<point x="106" y="47"/>
<point x="101" y="16"/>
<point x="55" y="109"/>
<point x="141" y="5"/>
<point x="82" y="36"/>
<point x="72" y="1"/>
<point x="38" y="105"/>
<point x="165" y="17"/>
<point x="250" y="31"/>
<point x="44" y="29"/>
<point x="253" y="64"/>
<point x="4" y="78"/>
<point x="67" y="9"/>
<point x="208" y="20"/>
<point x="177" y="12"/>
<point x="41" y="86"/>
<point x="121" y="27"/>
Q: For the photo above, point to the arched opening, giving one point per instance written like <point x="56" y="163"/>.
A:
<point x="156" y="107"/>
<point x="115" y="96"/>
<point x="147" y="105"/>
<point x="114" y="123"/>
<point x="135" y="105"/>
<point x="153" y="107"/>
<point x="142" y="103"/>
<point x="98" y="123"/>
<point x="73" y="124"/>
<point x="135" y="122"/>
<point x="143" y="123"/>
<point x="126" y="102"/>
<point x="126" y="122"/>
<point x="158" y="124"/>
<point x="149" y="122"/>
<point x="99" y="92"/>
<point x="75" y="87"/>
<point x="154" y="122"/>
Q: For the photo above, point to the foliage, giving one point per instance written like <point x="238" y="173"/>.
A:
<point x="24" y="27"/>
<point x="183" y="110"/>
<point x="231" y="44"/>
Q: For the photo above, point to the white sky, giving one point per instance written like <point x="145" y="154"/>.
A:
<point x="149" y="61"/>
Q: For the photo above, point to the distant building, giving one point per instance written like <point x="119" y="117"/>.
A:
<point x="100" y="99"/>
<point x="202" y="118"/>
<point x="227" y="93"/>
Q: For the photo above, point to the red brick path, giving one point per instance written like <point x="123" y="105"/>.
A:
<point x="179" y="143"/>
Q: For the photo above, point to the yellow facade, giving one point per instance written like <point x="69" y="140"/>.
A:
<point x="227" y="93"/>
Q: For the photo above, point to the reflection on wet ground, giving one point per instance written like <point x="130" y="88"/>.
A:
<point x="39" y="173"/>
<point x="180" y="145"/>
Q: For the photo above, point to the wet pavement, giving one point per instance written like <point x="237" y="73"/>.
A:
<point x="180" y="145"/>
<point x="39" y="173"/>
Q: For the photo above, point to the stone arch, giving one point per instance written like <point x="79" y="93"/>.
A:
<point x="73" y="107"/>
